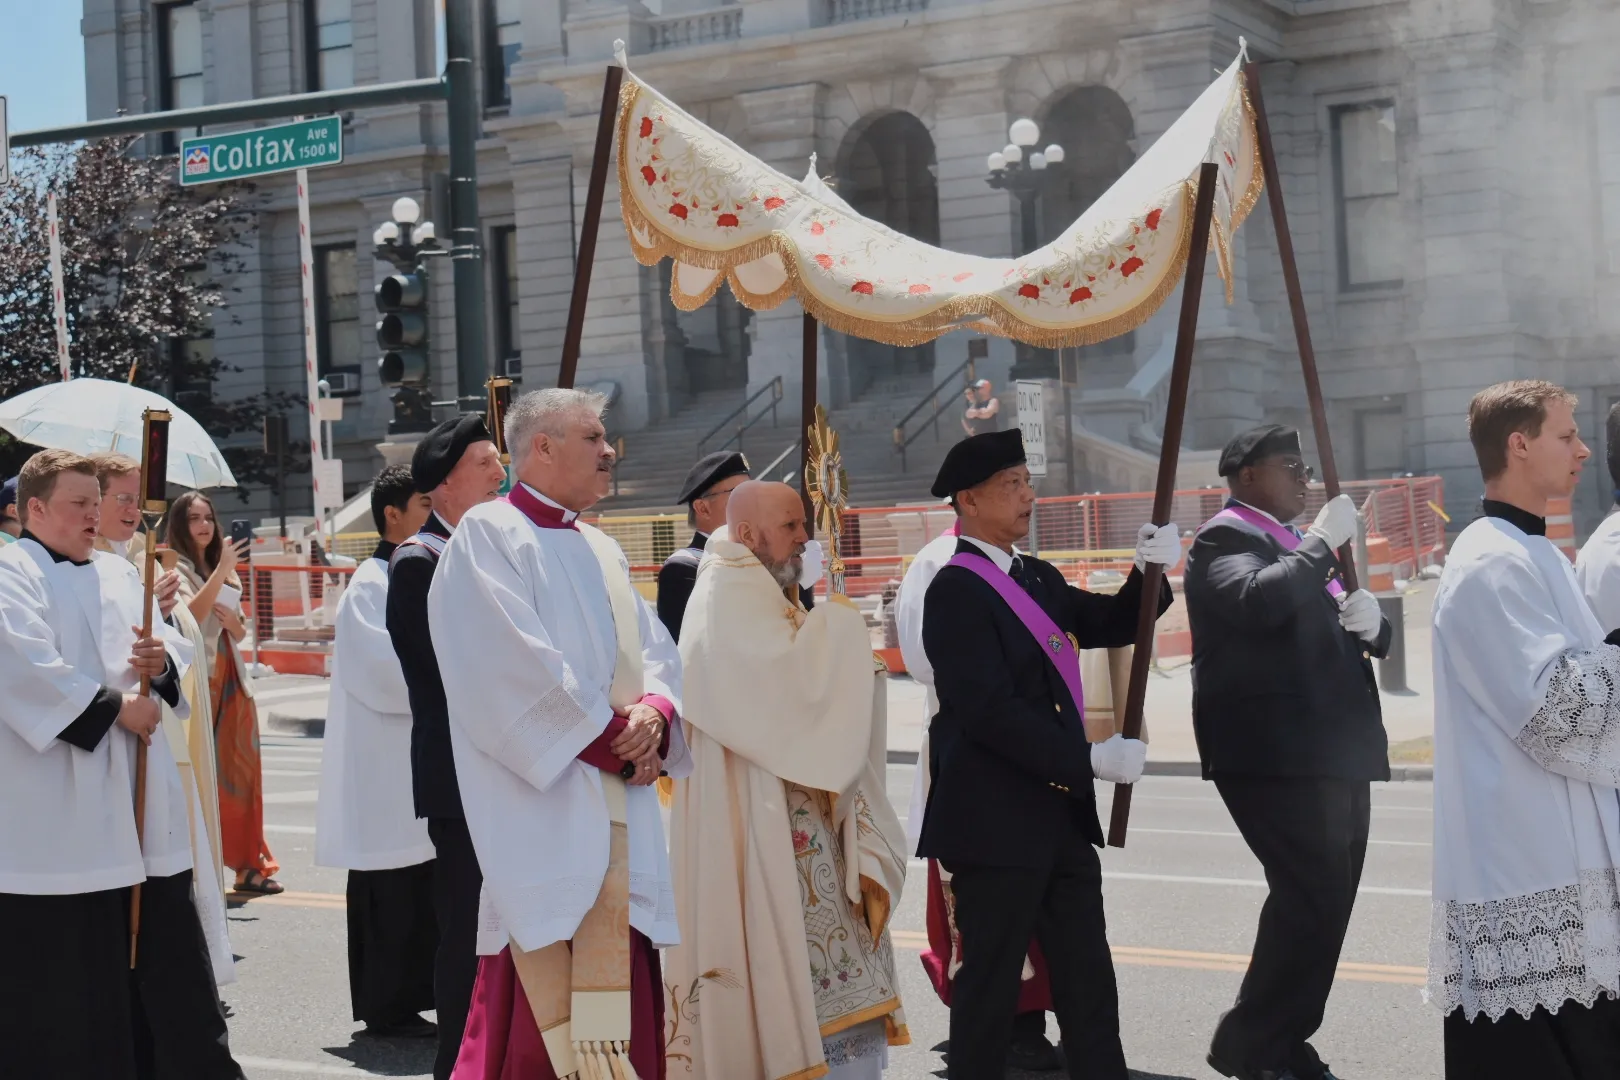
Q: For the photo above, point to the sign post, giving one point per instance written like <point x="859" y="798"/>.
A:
<point x="1032" y="422"/>
<point x="5" y="144"/>
<point x="302" y="144"/>
<point x="58" y="292"/>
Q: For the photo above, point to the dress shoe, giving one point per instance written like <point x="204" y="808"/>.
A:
<point x="1238" y="1073"/>
<point x="406" y="1027"/>
<point x="1033" y="1054"/>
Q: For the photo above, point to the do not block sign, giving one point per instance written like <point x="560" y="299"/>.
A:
<point x="303" y="144"/>
<point x="1032" y="423"/>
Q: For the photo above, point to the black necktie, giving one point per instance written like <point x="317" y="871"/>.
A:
<point x="1016" y="570"/>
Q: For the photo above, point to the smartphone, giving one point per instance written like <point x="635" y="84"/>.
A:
<point x="242" y="531"/>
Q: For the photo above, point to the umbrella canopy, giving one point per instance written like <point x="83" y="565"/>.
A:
<point x="93" y="416"/>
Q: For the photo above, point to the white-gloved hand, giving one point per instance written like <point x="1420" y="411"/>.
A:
<point x="1359" y="613"/>
<point x="1158" y="544"/>
<point x="815" y="564"/>
<point x="1118" y="760"/>
<point x="1336" y="523"/>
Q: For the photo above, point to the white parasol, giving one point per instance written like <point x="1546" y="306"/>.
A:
<point x="93" y="416"/>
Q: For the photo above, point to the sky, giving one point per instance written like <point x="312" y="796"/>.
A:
<point x="41" y="63"/>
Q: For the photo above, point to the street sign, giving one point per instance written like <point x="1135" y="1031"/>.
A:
<point x="5" y="144"/>
<point x="303" y="144"/>
<point x="1032" y="423"/>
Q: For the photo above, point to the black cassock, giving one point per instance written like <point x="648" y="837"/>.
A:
<point x="1289" y="727"/>
<point x="1012" y="814"/>
<point x="457" y="878"/>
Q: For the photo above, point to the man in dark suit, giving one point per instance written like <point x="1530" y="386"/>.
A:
<point x="1011" y="813"/>
<point x="705" y="493"/>
<point x="1289" y="728"/>
<point x="457" y="466"/>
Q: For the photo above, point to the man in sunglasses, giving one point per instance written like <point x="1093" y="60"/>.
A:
<point x="1286" y="712"/>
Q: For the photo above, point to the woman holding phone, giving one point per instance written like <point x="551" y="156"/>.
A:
<point x="212" y="592"/>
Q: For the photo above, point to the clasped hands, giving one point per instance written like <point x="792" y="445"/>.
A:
<point x="140" y="713"/>
<point x="638" y="743"/>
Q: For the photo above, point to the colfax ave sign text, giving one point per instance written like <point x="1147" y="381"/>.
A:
<point x="302" y="144"/>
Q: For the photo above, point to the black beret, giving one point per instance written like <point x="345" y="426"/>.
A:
<point x="976" y="459"/>
<point x="442" y="447"/>
<point x="709" y="471"/>
<point x="1257" y="444"/>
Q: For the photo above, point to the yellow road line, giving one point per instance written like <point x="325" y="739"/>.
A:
<point x="1135" y="955"/>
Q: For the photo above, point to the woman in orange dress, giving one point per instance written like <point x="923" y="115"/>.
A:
<point x="211" y="590"/>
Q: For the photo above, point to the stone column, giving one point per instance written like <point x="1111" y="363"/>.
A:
<point x="782" y="125"/>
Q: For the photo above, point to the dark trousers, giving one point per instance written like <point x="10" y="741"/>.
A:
<point x="1575" y="1043"/>
<point x="1310" y="835"/>
<point x="393" y="941"/>
<point x="998" y="909"/>
<point x="70" y="1006"/>
<point x="456" y="883"/>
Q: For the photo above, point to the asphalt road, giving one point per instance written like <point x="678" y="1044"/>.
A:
<point x="1182" y="901"/>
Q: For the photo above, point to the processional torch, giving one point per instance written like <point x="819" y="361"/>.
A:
<point x="500" y="399"/>
<point x="828" y="485"/>
<point x="154" y="502"/>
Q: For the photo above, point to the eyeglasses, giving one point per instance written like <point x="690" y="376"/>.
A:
<point x="124" y="500"/>
<point x="1296" y="469"/>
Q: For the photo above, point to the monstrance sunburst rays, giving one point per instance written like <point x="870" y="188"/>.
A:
<point x="828" y="485"/>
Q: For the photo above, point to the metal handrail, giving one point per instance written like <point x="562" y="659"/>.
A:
<point x="774" y="388"/>
<point x="765" y="473"/>
<point x="901" y="439"/>
<point x="617" y="442"/>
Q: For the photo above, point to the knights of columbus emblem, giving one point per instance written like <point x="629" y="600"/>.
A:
<point x="1055" y="643"/>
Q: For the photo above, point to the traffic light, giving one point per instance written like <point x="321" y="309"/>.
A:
<point x="402" y="331"/>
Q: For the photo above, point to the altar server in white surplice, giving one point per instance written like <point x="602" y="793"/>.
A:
<point x="365" y="821"/>
<point x="1598" y="567"/>
<point x="1524" y="958"/>
<point x="70" y="719"/>
<point x="563" y="690"/>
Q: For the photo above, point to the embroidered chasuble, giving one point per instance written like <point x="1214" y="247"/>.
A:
<point x="542" y="640"/>
<point x="787" y="838"/>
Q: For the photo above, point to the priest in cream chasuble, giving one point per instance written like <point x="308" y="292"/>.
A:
<point x="563" y="692"/>
<point x="788" y="858"/>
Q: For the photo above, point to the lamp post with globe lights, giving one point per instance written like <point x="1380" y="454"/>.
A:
<point x="405" y="242"/>
<point x="1026" y="173"/>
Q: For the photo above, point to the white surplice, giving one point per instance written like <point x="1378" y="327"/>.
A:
<point x="1598" y="570"/>
<point x="365" y="818"/>
<point x="908" y="623"/>
<point x="1526" y="910"/>
<point x="67" y="819"/>
<point x="524" y="633"/>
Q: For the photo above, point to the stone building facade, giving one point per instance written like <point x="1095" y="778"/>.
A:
<point x="1452" y="174"/>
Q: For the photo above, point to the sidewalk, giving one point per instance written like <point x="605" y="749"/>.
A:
<point x="296" y="705"/>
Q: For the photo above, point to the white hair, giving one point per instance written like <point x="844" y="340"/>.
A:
<point x="546" y="411"/>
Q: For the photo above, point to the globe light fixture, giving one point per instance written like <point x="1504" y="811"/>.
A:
<point x="996" y="161"/>
<point x="406" y="210"/>
<point x="425" y="232"/>
<point x="1013" y="153"/>
<point x="1037" y="160"/>
<point x="386" y="233"/>
<point x="1024" y="132"/>
<point x="1054" y="154"/>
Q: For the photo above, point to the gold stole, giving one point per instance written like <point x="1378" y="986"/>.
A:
<point x="579" y="991"/>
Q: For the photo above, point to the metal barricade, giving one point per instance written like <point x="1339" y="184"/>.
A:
<point x="293" y="614"/>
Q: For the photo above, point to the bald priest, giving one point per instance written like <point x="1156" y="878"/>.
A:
<point x="787" y="857"/>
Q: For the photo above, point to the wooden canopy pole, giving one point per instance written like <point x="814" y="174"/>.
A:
<point x="1296" y="308"/>
<point x="588" y="228"/>
<point x="154" y="503"/>
<point x="1192" y="290"/>
<point x="807" y="415"/>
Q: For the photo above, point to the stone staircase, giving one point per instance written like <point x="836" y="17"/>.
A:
<point x="657" y="458"/>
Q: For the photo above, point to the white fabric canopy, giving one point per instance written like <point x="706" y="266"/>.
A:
<point x="688" y="193"/>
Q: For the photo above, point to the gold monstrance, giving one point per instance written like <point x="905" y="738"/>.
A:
<point x="828" y="485"/>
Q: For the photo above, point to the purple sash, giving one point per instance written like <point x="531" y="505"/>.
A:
<point x="1267" y="525"/>
<point x="1059" y="647"/>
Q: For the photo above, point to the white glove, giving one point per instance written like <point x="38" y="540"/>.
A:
<point x="1118" y="760"/>
<point x="1359" y="613"/>
<point x="815" y="564"/>
<point x="1158" y="544"/>
<point x="1336" y="524"/>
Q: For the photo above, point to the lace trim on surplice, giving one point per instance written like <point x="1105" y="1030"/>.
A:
<point x="1576" y="732"/>
<point x="1543" y="948"/>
